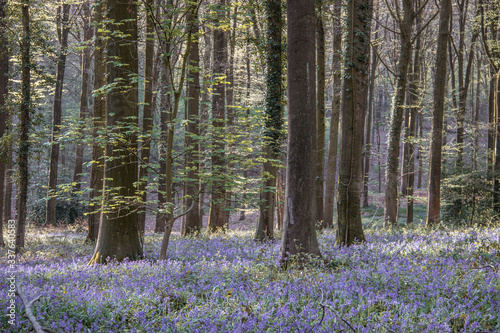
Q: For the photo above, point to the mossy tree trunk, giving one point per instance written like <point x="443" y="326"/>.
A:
<point x="273" y="127"/>
<point x="354" y="100"/>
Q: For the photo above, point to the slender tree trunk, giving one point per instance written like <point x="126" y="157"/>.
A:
<point x="24" y="126"/>
<point x="368" y="144"/>
<point x="299" y="234"/>
<point x="147" y="117"/>
<point x="379" y="151"/>
<point x="217" y="203"/>
<point x="4" y="80"/>
<point x="247" y="102"/>
<point x="63" y="30"/>
<point x="476" y="115"/>
<point x="434" y="203"/>
<point x="354" y="100"/>
<point x="274" y="120"/>
<point x="392" y="168"/>
<point x="413" y="102"/>
<point x="331" y="168"/>
<point x="7" y="200"/>
<point x="84" y="94"/>
<point x="496" y="158"/>
<point x="320" y="114"/>
<point x="99" y="110"/>
<point x="192" y="222"/>
<point x="118" y="231"/>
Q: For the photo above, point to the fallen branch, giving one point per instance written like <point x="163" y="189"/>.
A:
<point x="28" y="309"/>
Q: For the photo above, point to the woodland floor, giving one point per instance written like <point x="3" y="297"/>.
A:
<point x="404" y="280"/>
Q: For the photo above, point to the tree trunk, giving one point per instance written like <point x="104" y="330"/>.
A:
<point x="24" y="126"/>
<point x="84" y="95"/>
<point x="392" y="168"/>
<point x="331" y="167"/>
<point x="192" y="224"/>
<point x="273" y="127"/>
<point x="320" y="114"/>
<point x="63" y="30"/>
<point x="409" y="147"/>
<point x="299" y="234"/>
<point x="4" y="81"/>
<point x="476" y="116"/>
<point x="368" y="145"/>
<point x="434" y="203"/>
<point x="354" y="100"/>
<point x="119" y="235"/>
<point x="99" y="110"/>
<point x="217" y="203"/>
<point x="147" y="117"/>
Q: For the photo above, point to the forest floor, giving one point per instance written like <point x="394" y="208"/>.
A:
<point x="402" y="280"/>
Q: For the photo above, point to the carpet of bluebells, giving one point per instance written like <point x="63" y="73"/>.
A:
<point x="406" y="280"/>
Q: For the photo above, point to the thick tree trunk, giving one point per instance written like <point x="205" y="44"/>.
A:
<point x="299" y="233"/>
<point x="217" y="203"/>
<point x="496" y="158"/>
<point x="99" y="113"/>
<point x="434" y="203"/>
<point x="274" y="120"/>
<point x="63" y="30"/>
<point x="354" y="99"/>
<point x="331" y="167"/>
<point x="4" y="80"/>
<point x="84" y="95"/>
<point x="147" y="117"/>
<point x="118" y="231"/>
<point x="320" y="114"/>
<point x="24" y="126"/>
<point x="392" y="168"/>
<point x="191" y="225"/>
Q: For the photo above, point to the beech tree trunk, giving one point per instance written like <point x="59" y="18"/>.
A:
<point x="24" y="126"/>
<point x="217" y="202"/>
<point x="354" y="100"/>
<point x="392" y="168"/>
<point x="273" y="126"/>
<point x="434" y="197"/>
<point x="331" y="168"/>
<point x="118" y="231"/>
<point x="63" y="30"/>
<point x="320" y="114"/>
<point x="299" y="233"/>
<point x="192" y="225"/>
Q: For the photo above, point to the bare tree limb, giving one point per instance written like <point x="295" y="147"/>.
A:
<point x="27" y="308"/>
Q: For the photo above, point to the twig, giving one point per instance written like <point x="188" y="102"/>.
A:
<point x="27" y="308"/>
<point x="341" y="318"/>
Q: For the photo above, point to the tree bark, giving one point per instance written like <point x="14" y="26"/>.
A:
<point x="273" y="126"/>
<point x="354" y="100"/>
<point x="118" y="231"/>
<point x="331" y="168"/>
<point x="392" y="168"/>
<point x="24" y="126"/>
<point x="299" y="234"/>
<point x="434" y="189"/>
